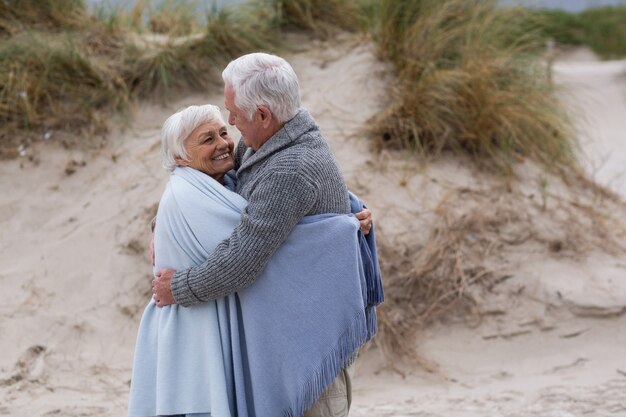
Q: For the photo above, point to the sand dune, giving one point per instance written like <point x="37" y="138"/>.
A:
<point x="75" y="272"/>
<point x="597" y="94"/>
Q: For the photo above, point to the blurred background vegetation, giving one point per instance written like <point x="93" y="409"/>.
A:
<point x="603" y="29"/>
<point x="469" y="76"/>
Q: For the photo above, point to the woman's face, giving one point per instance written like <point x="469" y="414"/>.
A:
<point x="210" y="150"/>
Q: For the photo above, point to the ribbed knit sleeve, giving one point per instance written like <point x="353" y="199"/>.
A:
<point x="274" y="208"/>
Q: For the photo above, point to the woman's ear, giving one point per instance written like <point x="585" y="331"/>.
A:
<point x="180" y="161"/>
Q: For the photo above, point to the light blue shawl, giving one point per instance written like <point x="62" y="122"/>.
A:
<point x="271" y="349"/>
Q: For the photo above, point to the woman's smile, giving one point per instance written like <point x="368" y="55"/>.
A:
<point x="209" y="149"/>
<point x="223" y="156"/>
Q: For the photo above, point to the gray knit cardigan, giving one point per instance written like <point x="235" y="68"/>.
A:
<point x="294" y="174"/>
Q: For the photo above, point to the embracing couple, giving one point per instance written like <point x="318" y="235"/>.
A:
<point x="266" y="282"/>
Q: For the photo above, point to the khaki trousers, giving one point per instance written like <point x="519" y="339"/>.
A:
<point x="336" y="400"/>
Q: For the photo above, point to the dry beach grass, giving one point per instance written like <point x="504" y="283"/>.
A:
<point x="462" y="84"/>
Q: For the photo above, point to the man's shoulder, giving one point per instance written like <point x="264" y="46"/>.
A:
<point x="306" y="152"/>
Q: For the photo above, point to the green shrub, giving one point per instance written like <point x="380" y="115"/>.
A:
<point x="563" y="27"/>
<point x="603" y="29"/>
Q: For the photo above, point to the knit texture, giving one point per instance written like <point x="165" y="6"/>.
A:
<point x="293" y="175"/>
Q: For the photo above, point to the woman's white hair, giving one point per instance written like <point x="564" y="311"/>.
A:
<point x="264" y="79"/>
<point x="179" y="126"/>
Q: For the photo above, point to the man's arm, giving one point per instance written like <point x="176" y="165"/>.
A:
<point x="161" y="286"/>
<point x="274" y="208"/>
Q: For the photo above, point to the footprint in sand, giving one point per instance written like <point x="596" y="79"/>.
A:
<point x="30" y="366"/>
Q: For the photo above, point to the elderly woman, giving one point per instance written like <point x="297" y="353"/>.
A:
<point x="262" y="351"/>
<point x="183" y="358"/>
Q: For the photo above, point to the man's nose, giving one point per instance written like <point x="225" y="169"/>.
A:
<point x="231" y="119"/>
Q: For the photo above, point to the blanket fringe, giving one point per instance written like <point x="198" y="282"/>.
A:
<point x="371" y="318"/>
<point x="337" y="359"/>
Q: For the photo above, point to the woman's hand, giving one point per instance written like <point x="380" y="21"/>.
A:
<point x="162" y="289"/>
<point x="365" y="219"/>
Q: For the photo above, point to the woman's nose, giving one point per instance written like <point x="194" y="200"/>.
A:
<point x="222" y="143"/>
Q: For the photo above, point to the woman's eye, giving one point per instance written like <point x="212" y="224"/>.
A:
<point x="224" y="134"/>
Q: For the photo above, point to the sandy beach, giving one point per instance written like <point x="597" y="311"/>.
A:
<point x="549" y="339"/>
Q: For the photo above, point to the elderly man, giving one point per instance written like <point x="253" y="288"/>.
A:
<point x="286" y="171"/>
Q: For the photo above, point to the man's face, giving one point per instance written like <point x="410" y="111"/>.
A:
<point x="251" y="130"/>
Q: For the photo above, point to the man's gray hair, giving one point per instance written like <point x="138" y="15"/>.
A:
<point x="264" y="79"/>
<point x="179" y="126"/>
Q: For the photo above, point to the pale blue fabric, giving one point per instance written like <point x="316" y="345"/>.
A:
<point x="183" y="357"/>
<point x="269" y="350"/>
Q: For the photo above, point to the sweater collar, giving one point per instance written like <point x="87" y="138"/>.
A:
<point x="301" y="123"/>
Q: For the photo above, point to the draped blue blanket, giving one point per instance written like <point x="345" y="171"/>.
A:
<point x="271" y="349"/>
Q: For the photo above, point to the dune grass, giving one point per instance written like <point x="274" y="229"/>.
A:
<point x="193" y="62"/>
<point x="463" y="253"/>
<point x="175" y="18"/>
<point x="64" y="70"/>
<point x="157" y="72"/>
<point x="49" y="84"/>
<point x="320" y="17"/>
<point x="55" y="15"/>
<point x="463" y="85"/>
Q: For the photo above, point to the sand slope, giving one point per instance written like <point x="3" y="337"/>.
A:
<point x="75" y="273"/>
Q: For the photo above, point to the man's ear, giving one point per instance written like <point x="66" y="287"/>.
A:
<point x="265" y="115"/>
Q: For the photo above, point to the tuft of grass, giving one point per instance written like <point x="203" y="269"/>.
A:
<point x="320" y="17"/>
<point x="463" y="85"/>
<point x="447" y="272"/>
<point x="194" y="62"/>
<point x="175" y="18"/>
<point x="56" y="15"/>
<point x="390" y="26"/>
<point x="426" y="282"/>
<point x="160" y="71"/>
<point x="234" y="32"/>
<point x="49" y="83"/>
